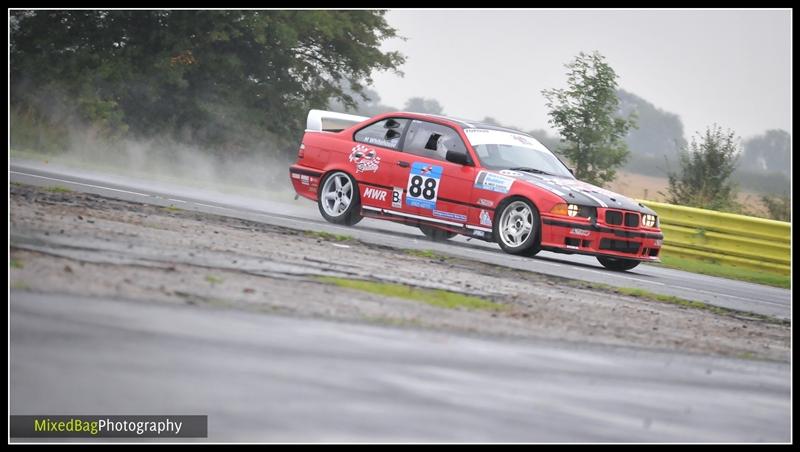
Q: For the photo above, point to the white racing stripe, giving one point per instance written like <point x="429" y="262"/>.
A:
<point x="416" y="217"/>
<point x="595" y="198"/>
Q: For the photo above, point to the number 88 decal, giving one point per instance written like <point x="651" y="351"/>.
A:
<point x="416" y="188"/>
<point x="423" y="185"/>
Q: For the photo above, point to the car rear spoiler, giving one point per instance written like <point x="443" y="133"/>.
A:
<point x="331" y="121"/>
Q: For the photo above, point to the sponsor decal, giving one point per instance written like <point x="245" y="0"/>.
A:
<point x="479" y="233"/>
<point x="423" y="185"/>
<point x="375" y="193"/>
<point x="365" y="158"/>
<point x="581" y="232"/>
<point x="449" y="215"/>
<point x="658" y="242"/>
<point x="522" y="140"/>
<point x="295" y="176"/>
<point x="397" y="197"/>
<point x="304" y="179"/>
<point x="379" y="142"/>
<point x="485" y="202"/>
<point x="479" y="137"/>
<point x="493" y="182"/>
<point x="485" y="220"/>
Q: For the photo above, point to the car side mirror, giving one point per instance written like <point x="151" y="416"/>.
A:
<point x="459" y="157"/>
<point x="571" y="171"/>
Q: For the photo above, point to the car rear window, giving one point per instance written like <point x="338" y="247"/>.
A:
<point x="385" y="133"/>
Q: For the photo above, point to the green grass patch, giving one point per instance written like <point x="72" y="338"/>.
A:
<point x="393" y="321"/>
<point x="428" y="254"/>
<point x="16" y="263"/>
<point x="172" y="209"/>
<point x="327" y="236"/>
<point x="434" y="297"/>
<point x="57" y="189"/>
<point x="19" y="285"/>
<point x="213" y="279"/>
<point x="726" y="271"/>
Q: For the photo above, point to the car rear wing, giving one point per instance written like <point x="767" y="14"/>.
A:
<point x="331" y="121"/>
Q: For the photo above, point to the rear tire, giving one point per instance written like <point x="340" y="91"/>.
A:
<point x="517" y="228"/>
<point x="437" y="235"/>
<point x="338" y="199"/>
<point x="617" y="263"/>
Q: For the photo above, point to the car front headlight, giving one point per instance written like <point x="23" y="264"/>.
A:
<point x="649" y="220"/>
<point x="573" y="209"/>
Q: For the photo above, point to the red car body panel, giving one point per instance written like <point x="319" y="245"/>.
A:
<point x="384" y="174"/>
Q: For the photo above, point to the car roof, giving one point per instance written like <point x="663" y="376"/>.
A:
<point x="468" y="124"/>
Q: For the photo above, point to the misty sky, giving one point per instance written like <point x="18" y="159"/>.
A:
<point x="728" y="67"/>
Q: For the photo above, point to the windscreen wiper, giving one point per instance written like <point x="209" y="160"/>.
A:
<point x="531" y="170"/>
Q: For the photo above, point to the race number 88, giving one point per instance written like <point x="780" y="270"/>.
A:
<point x="422" y="186"/>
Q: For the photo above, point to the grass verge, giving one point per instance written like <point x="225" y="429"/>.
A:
<point x="428" y="254"/>
<point x="57" y="189"/>
<point x="726" y="271"/>
<point x="433" y="297"/>
<point x="328" y="236"/>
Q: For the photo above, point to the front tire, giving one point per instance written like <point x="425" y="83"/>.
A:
<point x="518" y="227"/>
<point x="617" y="264"/>
<point x="437" y="235"/>
<point x="338" y="199"/>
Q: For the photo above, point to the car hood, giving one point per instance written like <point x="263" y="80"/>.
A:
<point x="579" y="192"/>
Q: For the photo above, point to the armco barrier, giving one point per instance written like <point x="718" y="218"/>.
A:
<point x="749" y="242"/>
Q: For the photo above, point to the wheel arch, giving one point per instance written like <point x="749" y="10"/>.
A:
<point x="499" y="213"/>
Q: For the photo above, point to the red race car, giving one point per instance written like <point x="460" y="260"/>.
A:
<point x="449" y="176"/>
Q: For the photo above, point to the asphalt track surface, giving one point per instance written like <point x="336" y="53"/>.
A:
<point x="303" y="214"/>
<point x="267" y="378"/>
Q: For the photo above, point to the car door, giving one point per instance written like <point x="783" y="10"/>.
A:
<point x="374" y="156"/>
<point x="435" y="189"/>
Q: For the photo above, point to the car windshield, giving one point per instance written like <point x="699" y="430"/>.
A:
<point x="500" y="150"/>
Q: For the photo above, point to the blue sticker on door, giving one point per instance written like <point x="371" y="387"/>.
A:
<point x="423" y="185"/>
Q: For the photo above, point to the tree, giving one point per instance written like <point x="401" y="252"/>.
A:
<point x="367" y="103"/>
<point x="585" y="114"/>
<point x="705" y="169"/>
<point x="213" y="78"/>
<point x="422" y="105"/>
<point x="779" y="207"/>
<point x="658" y="133"/>
<point x="549" y="141"/>
<point x="768" y="152"/>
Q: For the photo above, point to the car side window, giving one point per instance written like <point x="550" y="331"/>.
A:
<point x="431" y="140"/>
<point x="384" y="133"/>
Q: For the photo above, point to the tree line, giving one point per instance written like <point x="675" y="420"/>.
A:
<point x="227" y="81"/>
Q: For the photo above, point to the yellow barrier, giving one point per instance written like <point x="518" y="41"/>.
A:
<point x="754" y="243"/>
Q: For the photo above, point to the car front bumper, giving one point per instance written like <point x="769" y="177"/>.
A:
<point x="588" y="237"/>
